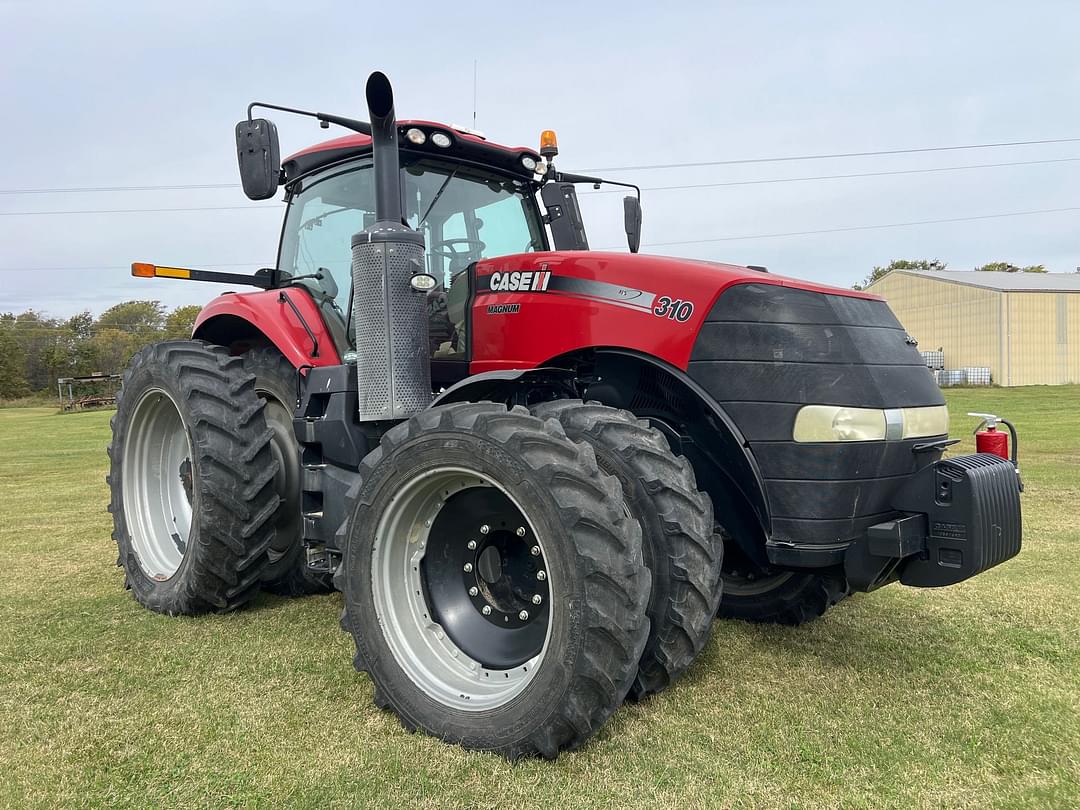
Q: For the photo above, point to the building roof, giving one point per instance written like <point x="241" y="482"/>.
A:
<point x="1005" y="282"/>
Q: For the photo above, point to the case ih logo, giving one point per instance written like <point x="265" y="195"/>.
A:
<point x="543" y="280"/>
<point x="520" y="281"/>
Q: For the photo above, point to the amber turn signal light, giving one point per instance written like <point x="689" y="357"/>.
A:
<point x="144" y="270"/>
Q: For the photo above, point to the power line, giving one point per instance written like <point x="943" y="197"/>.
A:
<point x="786" y="158"/>
<point x="97" y="189"/>
<point x="766" y="181"/>
<point x="136" y="210"/>
<point x="862" y="227"/>
<point x="842" y="176"/>
<point x="735" y="162"/>
<point x="842" y="229"/>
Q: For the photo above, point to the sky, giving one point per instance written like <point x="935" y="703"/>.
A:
<point x="148" y="93"/>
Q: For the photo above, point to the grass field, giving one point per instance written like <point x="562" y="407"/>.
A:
<point x="967" y="696"/>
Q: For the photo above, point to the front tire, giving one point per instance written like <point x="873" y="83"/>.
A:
<point x="524" y="650"/>
<point x="680" y="547"/>
<point x="191" y="479"/>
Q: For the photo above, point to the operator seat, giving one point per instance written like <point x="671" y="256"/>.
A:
<point x="446" y="317"/>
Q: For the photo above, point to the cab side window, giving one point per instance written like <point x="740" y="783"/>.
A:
<point x="317" y="238"/>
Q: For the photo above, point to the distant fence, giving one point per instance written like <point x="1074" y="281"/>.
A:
<point x="85" y="393"/>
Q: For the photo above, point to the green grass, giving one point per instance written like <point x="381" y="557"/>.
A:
<point x="966" y="696"/>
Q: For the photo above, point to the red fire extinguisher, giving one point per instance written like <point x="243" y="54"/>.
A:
<point x="994" y="441"/>
<point x="991" y="440"/>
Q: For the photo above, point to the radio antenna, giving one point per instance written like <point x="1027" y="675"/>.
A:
<point x="474" y="94"/>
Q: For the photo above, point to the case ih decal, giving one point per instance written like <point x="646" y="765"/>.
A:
<point x="543" y="280"/>
<point x="523" y="281"/>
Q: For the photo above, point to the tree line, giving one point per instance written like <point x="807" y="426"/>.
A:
<point x="35" y="349"/>
<point x="931" y="265"/>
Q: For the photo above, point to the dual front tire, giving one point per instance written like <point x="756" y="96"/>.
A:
<point x="498" y="584"/>
<point x="541" y="682"/>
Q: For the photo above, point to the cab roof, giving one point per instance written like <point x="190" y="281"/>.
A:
<point x="464" y="146"/>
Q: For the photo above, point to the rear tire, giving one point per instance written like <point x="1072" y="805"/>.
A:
<point x="447" y="485"/>
<point x="191" y="479"/>
<point x="287" y="572"/>
<point x="679" y="545"/>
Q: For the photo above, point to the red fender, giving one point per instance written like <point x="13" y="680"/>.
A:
<point x="239" y="317"/>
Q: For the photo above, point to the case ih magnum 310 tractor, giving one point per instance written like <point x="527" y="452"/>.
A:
<point x="530" y="468"/>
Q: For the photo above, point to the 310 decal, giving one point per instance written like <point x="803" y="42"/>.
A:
<point x="673" y="309"/>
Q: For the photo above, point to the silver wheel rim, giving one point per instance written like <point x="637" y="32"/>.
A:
<point x="420" y="645"/>
<point x="158" y="484"/>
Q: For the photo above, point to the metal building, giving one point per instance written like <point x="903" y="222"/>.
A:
<point x="1024" y="326"/>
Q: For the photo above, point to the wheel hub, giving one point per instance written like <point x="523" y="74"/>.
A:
<point x="486" y="587"/>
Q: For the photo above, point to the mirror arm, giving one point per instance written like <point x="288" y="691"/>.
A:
<point x="324" y="119"/>
<point x="567" y="177"/>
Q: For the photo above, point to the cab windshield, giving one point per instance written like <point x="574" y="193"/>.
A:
<point x="465" y="214"/>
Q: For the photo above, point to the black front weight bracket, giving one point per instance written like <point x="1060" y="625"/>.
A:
<point x="960" y="516"/>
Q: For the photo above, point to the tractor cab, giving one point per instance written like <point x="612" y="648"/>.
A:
<point x="467" y="209"/>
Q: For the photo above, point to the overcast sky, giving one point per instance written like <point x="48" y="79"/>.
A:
<point x="147" y="93"/>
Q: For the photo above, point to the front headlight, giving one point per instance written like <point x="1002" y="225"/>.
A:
<point x="920" y="422"/>
<point x="832" y="423"/>
<point x="839" y="423"/>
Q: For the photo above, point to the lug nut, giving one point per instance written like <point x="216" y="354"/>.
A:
<point x="485" y="529"/>
<point x="535" y="551"/>
<point x="524" y="615"/>
<point x="486" y="610"/>
<point x="520" y="531"/>
<point x="471" y="544"/>
<point x="473" y="591"/>
<point x="541" y="575"/>
<point x="537" y="599"/>
<point x="468" y="567"/>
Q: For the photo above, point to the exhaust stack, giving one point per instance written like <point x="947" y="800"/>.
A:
<point x="393" y="365"/>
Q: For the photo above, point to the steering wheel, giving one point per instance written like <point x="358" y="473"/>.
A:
<point x="472" y="250"/>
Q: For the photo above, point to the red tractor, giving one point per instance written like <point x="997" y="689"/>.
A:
<point x="530" y="468"/>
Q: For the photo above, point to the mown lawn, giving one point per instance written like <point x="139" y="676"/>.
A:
<point x="968" y="696"/>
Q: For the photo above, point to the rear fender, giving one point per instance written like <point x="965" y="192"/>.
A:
<point x="243" y="320"/>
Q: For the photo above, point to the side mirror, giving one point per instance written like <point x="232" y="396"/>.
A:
<point x="259" y="157"/>
<point x="632" y="216"/>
